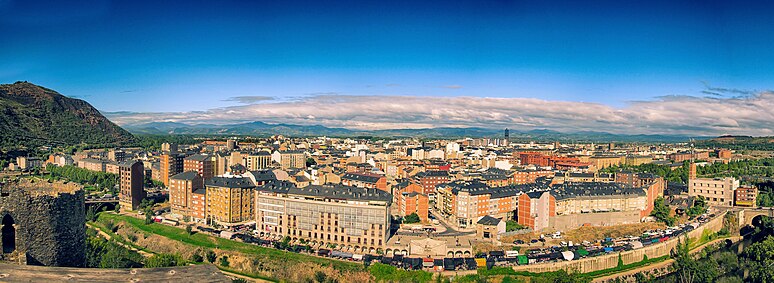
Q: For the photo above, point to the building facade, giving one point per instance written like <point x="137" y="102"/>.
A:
<point x="181" y="192"/>
<point x="170" y="165"/>
<point x="131" y="184"/>
<point x="334" y="214"/>
<point x="229" y="200"/>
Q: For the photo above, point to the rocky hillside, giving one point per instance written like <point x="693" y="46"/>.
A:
<point x="32" y="115"/>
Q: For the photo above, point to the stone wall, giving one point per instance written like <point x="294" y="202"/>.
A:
<point x="50" y="225"/>
<point x="611" y="260"/>
<point x="572" y="221"/>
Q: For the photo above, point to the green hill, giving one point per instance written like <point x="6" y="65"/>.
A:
<point x="32" y="115"/>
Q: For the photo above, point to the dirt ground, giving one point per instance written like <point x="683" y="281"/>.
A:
<point x="590" y="234"/>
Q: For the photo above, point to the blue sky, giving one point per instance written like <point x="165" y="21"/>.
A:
<point x="168" y="57"/>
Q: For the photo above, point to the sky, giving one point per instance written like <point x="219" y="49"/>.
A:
<point x="628" y="67"/>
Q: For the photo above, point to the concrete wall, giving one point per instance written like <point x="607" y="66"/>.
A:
<point x="611" y="260"/>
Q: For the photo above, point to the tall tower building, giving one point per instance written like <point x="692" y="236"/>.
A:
<point x="131" y="191"/>
<point x="507" y="134"/>
<point x="171" y="164"/>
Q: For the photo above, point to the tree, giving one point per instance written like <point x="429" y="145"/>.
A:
<point x="197" y="257"/>
<point x="188" y="229"/>
<point x="211" y="256"/>
<point x="320" y="276"/>
<point x="511" y="225"/>
<point x="411" y="218"/>
<point x="164" y="260"/>
<point x="148" y="216"/>
<point x="224" y="261"/>
<point x="662" y="212"/>
<point x="310" y="161"/>
<point x="759" y="258"/>
<point x="91" y="215"/>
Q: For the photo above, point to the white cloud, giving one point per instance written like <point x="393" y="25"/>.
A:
<point x="683" y="115"/>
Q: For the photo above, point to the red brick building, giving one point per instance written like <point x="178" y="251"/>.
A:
<point x="201" y="164"/>
<point x="429" y="179"/>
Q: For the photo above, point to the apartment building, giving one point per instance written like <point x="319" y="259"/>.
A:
<point x="229" y="200"/>
<point x="131" y="184"/>
<point x="291" y="159"/>
<point x="529" y="176"/>
<point x="687" y="155"/>
<point x="717" y="191"/>
<point x="91" y="164"/>
<point x="745" y="196"/>
<point x="170" y="165"/>
<point x="431" y="178"/>
<point x="409" y="198"/>
<point x="535" y="209"/>
<point x="347" y="216"/>
<point x="256" y="161"/>
<point x="464" y="202"/>
<point x="181" y="192"/>
<point x="365" y="180"/>
<point x="201" y="164"/>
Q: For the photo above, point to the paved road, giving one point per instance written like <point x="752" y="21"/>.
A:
<point x="450" y="231"/>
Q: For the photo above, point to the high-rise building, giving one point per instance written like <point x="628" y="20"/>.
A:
<point x="171" y="164"/>
<point x="231" y="144"/>
<point x="132" y="179"/>
<point x="507" y="134"/>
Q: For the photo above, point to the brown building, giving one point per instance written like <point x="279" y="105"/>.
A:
<point x="91" y="164"/>
<point x="724" y="154"/>
<point x="229" y="199"/>
<point x="171" y="164"/>
<point x="409" y="198"/>
<point x="365" y="180"/>
<point x="201" y="164"/>
<point x="533" y="158"/>
<point x="530" y="176"/>
<point x="181" y="192"/>
<point x="745" y="196"/>
<point x="198" y="208"/>
<point x="686" y="156"/>
<point x="131" y="191"/>
<point x="535" y="209"/>
<point x="430" y="179"/>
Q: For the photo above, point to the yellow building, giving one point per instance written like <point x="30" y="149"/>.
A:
<point x="229" y="200"/>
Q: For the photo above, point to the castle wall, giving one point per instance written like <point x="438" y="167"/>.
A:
<point x="50" y="227"/>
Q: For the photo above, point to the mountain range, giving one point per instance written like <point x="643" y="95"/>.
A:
<point x="265" y="129"/>
<point x="33" y="115"/>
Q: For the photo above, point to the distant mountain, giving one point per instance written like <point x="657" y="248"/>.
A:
<point x="265" y="129"/>
<point x="33" y="115"/>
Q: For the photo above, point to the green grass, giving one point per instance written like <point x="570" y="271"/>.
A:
<point x="389" y="273"/>
<point x="206" y="241"/>
<point x="118" y="238"/>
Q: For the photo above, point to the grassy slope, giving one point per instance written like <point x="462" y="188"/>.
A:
<point x="202" y="240"/>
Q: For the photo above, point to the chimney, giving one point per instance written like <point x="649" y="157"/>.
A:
<point x="692" y="171"/>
